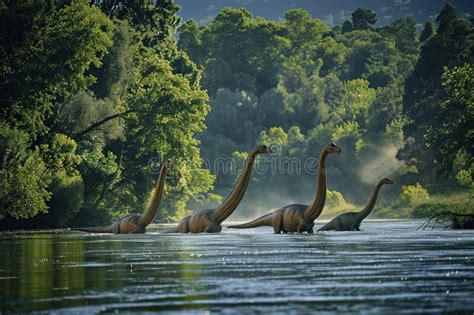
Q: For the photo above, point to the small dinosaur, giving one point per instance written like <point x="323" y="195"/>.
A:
<point x="136" y="223"/>
<point x="209" y="220"/>
<point x="297" y="217"/>
<point x="351" y="221"/>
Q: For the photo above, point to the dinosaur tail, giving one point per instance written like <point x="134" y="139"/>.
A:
<point x="266" y="220"/>
<point x="326" y="227"/>
<point x="101" y="229"/>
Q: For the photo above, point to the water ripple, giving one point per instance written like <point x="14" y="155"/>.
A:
<point x="388" y="267"/>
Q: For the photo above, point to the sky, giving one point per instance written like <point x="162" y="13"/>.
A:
<point x="333" y="12"/>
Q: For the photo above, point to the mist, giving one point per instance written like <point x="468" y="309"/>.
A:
<point x="383" y="163"/>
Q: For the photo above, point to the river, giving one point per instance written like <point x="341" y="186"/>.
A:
<point x="387" y="267"/>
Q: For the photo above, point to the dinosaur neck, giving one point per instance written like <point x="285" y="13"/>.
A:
<point x="236" y="195"/>
<point x="314" y="210"/>
<point x="370" y="206"/>
<point x="155" y="201"/>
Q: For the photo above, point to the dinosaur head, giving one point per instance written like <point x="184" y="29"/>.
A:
<point x="333" y="148"/>
<point x="263" y="149"/>
<point x="387" y="181"/>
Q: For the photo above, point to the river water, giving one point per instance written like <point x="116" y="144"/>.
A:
<point x="387" y="267"/>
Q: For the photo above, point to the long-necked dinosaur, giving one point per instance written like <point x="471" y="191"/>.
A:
<point x="298" y="217"/>
<point x="136" y="223"/>
<point x="209" y="220"/>
<point x="351" y="221"/>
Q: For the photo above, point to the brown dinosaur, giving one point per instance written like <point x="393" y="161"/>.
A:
<point x="136" y="223"/>
<point x="351" y="221"/>
<point x="298" y="217"/>
<point x="209" y="220"/>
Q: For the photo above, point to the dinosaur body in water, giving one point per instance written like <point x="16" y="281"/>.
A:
<point x="209" y="220"/>
<point x="351" y="221"/>
<point x="297" y="217"/>
<point x="136" y="223"/>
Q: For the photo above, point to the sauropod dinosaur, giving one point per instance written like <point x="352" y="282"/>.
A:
<point x="209" y="220"/>
<point x="351" y="221"/>
<point x="298" y="217"/>
<point x="136" y="223"/>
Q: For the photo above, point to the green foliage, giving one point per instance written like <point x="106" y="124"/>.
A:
<point x="459" y="202"/>
<point x="165" y="104"/>
<point x="95" y="94"/>
<point x="347" y="26"/>
<point x="435" y="104"/>
<point x="428" y="31"/>
<point x="413" y="194"/>
<point x="66" y="200"/>
<point x="356" y="99"/>
<point x="335" y="199"/>
<point x="116" y="73"/>
<point x="465" y="176"/>
<point x="37" y="68"/>
<point x="60" y="155"/>
<point x="80" y="111"/>
<point x="452" y="130"/>
<point x="349" y="129"/>
<point x="24" y="177"/>
<point x="276" y="135"/>
<point x="92" y="94"/>
<point x="100" y="173"/>
<point x="346" y="85"/>
<point x="253" y="69"/>
<point x="363" y="18"/>
<point x="154" y="20"/>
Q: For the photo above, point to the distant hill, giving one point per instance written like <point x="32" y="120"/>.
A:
<point x="333" y="12"/>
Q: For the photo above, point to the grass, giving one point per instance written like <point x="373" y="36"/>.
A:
<point x="454" y="210"/>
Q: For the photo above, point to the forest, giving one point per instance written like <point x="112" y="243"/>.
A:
<point x="95" y="95"/>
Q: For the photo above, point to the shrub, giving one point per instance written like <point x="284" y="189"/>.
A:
<point x="335" y="199"/>
<point x="413" y="194"/>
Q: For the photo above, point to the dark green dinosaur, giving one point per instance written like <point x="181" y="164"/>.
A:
<point x="351" y="221"/>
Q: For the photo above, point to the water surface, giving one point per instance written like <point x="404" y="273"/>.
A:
<point x="388" y="267"/>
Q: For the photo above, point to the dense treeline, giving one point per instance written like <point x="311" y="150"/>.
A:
<point x="383" y="93"/>
<point x="95" y="94"/>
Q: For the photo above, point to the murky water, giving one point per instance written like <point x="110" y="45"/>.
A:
<point x="388" y="267"/>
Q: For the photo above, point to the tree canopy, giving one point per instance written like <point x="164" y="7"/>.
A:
<point x="95" y="94"/>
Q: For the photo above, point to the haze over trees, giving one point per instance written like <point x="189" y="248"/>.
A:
<point x="96" y="94"/>
<point x="299" y="84"/>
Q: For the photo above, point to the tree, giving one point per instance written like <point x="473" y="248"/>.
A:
<point x="373" y="57"/>
<point x="240" y="52"/>
<point x="166" y="111"/>
<point x="363" y="19"/>
<point x="190" y="40"/>
<point x="451" y="46"/>
<point x="24" y="182"/>
<point x="452" y="131"/>
<point x="428" y="31"/>
<point x="89" y="107"/>
<point x="37" y="70"/>
<point x="347" y="26"/>
<point x="154" y="20"/>
<point x="40" y="164"/>
<point x="446" y="18"/>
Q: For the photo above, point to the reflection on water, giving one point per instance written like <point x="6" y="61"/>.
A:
<point x="387" y="267"/>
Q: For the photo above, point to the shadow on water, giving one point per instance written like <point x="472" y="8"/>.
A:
<point x="387" y="267"/>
